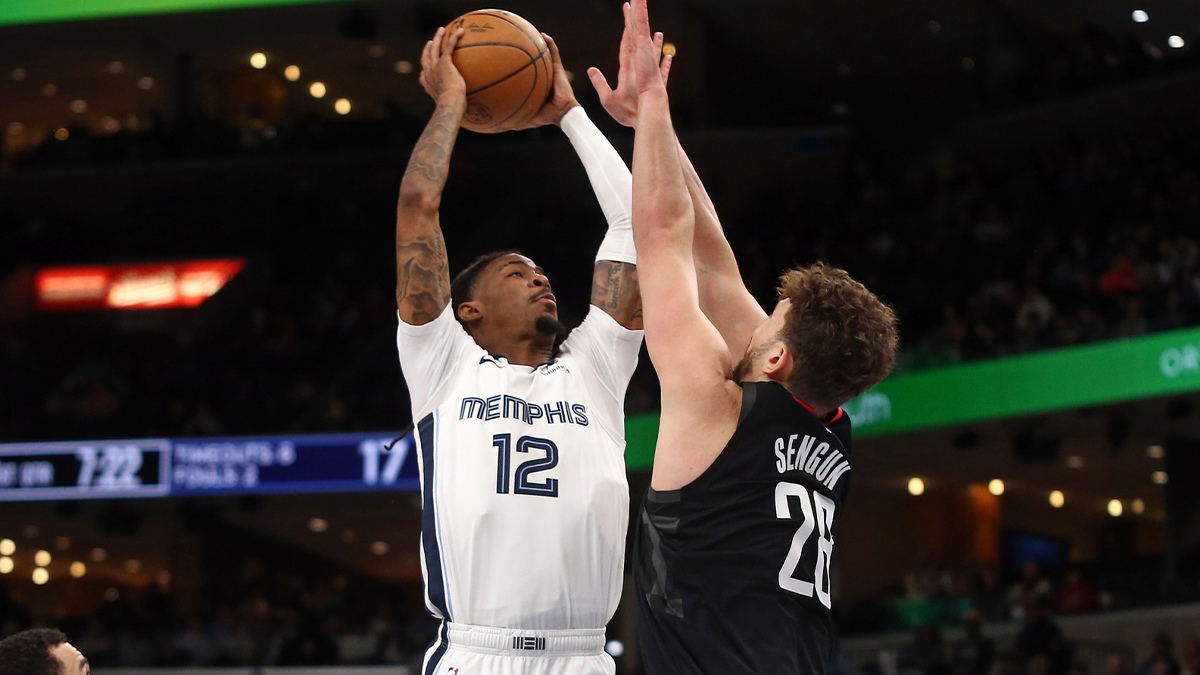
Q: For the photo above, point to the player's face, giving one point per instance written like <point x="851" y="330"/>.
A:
<point x="764" y="343"/>
<point x="70" y="660"/>
<point x="514" y="291"/>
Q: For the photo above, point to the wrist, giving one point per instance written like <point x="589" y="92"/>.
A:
<point x="566" y="110"/>
<point x="452" y="97"/>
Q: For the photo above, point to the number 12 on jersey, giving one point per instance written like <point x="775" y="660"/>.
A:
<point x="816" y="512"/>
<point x="547" y="459"/>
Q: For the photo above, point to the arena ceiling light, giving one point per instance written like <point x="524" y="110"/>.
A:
<point x="258" y="60"/>
<point x="1057" y="499"/>
<point x="916" y="486"/>
<point x="1140" y="16"/>
<point x="996" y="487"/>
<point x="1175" y="42"/>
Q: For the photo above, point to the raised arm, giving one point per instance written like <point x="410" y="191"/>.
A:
<point x="724" y="298"/>
<point x="723" y="295"/>
<point x="422" y="269"/>
<point x="699" y="400"/>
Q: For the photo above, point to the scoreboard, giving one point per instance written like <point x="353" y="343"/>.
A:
<point x="207" y="466"/>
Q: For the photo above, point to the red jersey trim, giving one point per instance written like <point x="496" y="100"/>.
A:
<point x="837" y="415"/>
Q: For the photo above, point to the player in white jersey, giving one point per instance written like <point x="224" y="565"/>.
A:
<point x="525" y="500"/>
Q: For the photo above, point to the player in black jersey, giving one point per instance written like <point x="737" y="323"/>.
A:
<point x="752" y="463"/>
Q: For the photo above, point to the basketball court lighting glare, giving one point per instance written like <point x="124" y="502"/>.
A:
<point x="1155" y="452"/>
<point x="342" y="106"/>
<point x="916" y="486"/>
<point x="669" y="48"/>
<point x="133" y="566"/>
<point x="116" y="68"/>
<point x="615" y="648"/>
<point x="292" y="73"/>
<point x="1115" y="508"/>
<point x="996" y="487"/>
<point x="98" y="555"/>
<point x="1057" y="499"/>
<point x="1159" y="477"/>
<point x="145" y="83"/>
<point x="41" y="558"/>
<point x="379" y="547"/>
<point x="1140" y="16"/>
<point x="62" y="134"/>
<point x="15" y="128"/>
<point x="7" y="547"/>
<point x="1075" y="462"/>
<point x="258" y="60"/>
<point x="403" y="67"/>
<point x="317" y="89"/>
<point x="40" y="576"/>
<point x="318" y="524"/>
<point x="79" y="106"/>
<point x="1138" y="506"/>
<point x="18" y="74"/>
<point x="49" y="89"/>
<point x="6" y="565"/>
<point x="1175" y="42"/>
<point x="78" y="569"/>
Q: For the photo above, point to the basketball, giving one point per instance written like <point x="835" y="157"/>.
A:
<point x="506" y="65"/>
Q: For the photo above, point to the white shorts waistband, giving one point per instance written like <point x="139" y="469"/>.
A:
<point x="492" y="640"/>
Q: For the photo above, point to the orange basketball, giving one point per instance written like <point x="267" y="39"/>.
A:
<point x="506" y="65"/>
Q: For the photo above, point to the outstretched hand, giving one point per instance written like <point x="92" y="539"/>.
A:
<point x="438" y="74"/>
<point x="621" y="103"/>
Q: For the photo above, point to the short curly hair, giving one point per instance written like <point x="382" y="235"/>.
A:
<point x="462" y="288"/>
<point x="843" y="338"/>
<point x="28" y="652"/>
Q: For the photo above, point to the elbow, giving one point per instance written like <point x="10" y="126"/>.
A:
<point x="419" y="199"/>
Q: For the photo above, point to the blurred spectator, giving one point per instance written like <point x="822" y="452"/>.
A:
<point x="1077" y="595"/>
<point x="1040" y="642"/>
<point x="925" y="656"/>
<point x="1114" y="664"/>
<point x="1031" y="588"/>
<point x="1162" y="660"/>
<point x="1189" y="657"/>
<point x="974" y="652"/>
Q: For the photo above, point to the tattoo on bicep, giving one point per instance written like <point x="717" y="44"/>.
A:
<point x="615" y="290"/>
<point x="422" y="277"/>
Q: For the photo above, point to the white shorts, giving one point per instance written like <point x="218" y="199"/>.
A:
<point x="463" y="649"/>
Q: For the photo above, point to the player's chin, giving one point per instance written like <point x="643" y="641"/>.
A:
<point x="548" y="324"/>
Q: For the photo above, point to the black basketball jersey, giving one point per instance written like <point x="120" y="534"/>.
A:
<point x="732" y="570"/>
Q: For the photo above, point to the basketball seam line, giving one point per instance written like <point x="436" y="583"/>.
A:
<point x="532" y="60"/>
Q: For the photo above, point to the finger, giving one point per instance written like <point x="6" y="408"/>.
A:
<point x="664" y="68"/>
<point x="599" y="82"/>
<point x="555" y="58"/>
<point x="658" y="43"/>
<point x="453" y="41"/>
<point x="426" y="57"/>
<point x="640" y="20"/>
<point x="435" y="52"/>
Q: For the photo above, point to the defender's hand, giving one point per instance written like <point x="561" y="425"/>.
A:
<point x="621" y="103"/>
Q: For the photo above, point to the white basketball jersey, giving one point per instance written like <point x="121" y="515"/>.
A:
<point x="525" y="499"/>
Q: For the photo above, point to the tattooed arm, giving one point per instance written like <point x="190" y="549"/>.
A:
<point x="422" y="270"/>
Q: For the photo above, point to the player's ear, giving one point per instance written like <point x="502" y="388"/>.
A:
<point x="469" y="311"/>
<point x="778" y="363"/>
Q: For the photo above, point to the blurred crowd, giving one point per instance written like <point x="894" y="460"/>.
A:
<point x="1080" y="241"/>
<point x="293" y="622"/>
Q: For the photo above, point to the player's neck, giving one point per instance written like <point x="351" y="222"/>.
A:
<point x="530" y="352"/>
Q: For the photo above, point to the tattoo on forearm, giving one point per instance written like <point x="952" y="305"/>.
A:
<point x="422" y="278"/>
<point x="431" y="158"/>
<point x="615" y="290"/>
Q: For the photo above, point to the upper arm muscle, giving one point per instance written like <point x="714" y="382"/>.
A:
<point x="615" y="290"/>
